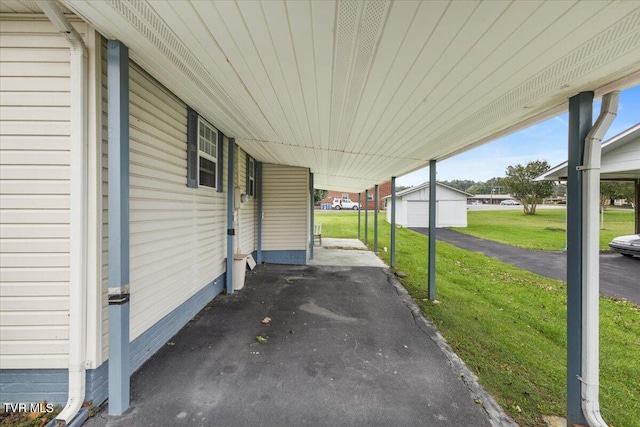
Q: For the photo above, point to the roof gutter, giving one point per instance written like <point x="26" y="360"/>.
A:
<point x="78" y="211"/>
<point x="590" y="255"/>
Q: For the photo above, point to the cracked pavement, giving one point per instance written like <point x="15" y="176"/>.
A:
<point x="346" y="346"/>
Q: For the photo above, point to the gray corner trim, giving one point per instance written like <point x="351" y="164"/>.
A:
<point x="230" y="211"/>
<point x="118" y="182"/>
<point x="118" y="162"/>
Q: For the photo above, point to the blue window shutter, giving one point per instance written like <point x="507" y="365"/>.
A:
<point x="220" y="182"/>
<point x="192" y="148"/>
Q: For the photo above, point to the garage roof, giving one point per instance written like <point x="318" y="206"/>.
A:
<point x="361" y="91"/>
<point x="620" y="158"/>
<point x="426" y="185"/>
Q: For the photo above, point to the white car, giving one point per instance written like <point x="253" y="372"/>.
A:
<point x="344" y="204"/>
<point x="509" y="202"/>
<point x="626" y="245"/>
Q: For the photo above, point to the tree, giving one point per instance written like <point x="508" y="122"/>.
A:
<point x="521" y="184"/>
<point x="611" y="190"/>
<point x="318" y="195"/>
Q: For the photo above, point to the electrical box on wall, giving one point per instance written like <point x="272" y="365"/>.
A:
<point x="239" y="198"/>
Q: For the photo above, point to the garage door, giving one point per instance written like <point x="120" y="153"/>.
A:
<point x="418" y="213"/>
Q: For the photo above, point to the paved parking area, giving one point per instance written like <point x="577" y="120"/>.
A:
<point x="345" y="346"/>
<point x="618" y="275"/>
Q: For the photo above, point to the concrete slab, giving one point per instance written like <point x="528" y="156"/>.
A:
<point x="344" y="253"/>
<point x="330" y="242"/>
<point x="346" y="346"/>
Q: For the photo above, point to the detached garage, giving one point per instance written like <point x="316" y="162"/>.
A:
<point x="412" y="207"/>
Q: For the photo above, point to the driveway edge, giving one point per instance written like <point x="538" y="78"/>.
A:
<point x="497" y="416"/>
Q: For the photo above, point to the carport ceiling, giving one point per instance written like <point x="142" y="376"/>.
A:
<point x="360" y="91"/>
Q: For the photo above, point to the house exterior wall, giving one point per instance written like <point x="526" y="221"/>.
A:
<point x="34" y="194"/>
<point x="246" y="220"/>
<point x="177" y="234"/>
<point x="35" y="217"/>
<point x="623" y="158"/>
<point x="285" y="226"/>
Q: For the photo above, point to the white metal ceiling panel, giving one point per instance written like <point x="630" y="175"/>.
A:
<point x="360" y="91"/>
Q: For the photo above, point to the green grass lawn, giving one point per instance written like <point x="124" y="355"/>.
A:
<point x="545" y="230"/>
<point x="508" y="325"/>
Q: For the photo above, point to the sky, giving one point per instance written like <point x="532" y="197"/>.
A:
<point x="545" y="141"/>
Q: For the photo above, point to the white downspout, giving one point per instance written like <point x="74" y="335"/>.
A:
<point x="78" y="211"/>
<point x="591" y="261"/>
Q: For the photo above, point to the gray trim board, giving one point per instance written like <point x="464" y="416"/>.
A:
<point x="230" y="213"/>
<point x="432" y="231"/>
<point x="118" y="186"/>
<point x="52" y="385"/>
<point x="295" y="257"/>
<point x="580" y="116"/>
<point x="144" y="346"/>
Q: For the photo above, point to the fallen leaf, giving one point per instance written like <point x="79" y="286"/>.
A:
<point x="266" y="320"/>
<point x="261" y="339"/>
<point x="518" y="408"/>
<point x="171" y="343"/>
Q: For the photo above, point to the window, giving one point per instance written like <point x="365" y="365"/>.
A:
<point x="345" y="196"/>
<point x="204" y="153"/>
<point x="207" y="154"/>
<point x="251" y="176"/>
<point x="369" y="196"/>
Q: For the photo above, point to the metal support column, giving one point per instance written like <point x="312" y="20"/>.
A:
<point x="230" y="212"/>
<point x="580" y="116"/>
<point x="366" y="217"/>
<point x="432" y="230"/>
<point x="376" y="196"/>
<point x="259" y="202"/>
<point x="118" y="176"/>
<point x="393" y="222"/>
<point x="311" y="215"/>
<point x="359" y="209"/>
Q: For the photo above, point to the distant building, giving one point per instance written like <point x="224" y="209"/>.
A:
<point x="384" y="189"/>
<point x="489" y="199"/>
<point x="412" y="206"/>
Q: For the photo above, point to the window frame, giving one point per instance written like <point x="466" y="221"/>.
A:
<point x="251" y="176"/>
<point x="214" y="140"/>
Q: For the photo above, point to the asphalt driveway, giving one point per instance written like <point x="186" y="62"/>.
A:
<point x="619" y="276"/>
<point x="346" y="346"/>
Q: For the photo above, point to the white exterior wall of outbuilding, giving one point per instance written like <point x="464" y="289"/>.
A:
<point x="412" y="208"/>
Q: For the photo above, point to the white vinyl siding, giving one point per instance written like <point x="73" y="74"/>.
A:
<point x="34" y="194"/>
<point x="413" y="208"/>
<point x="246" y="217"/>
<point x="286" y="207"/>
<point x="178" y="234"/>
